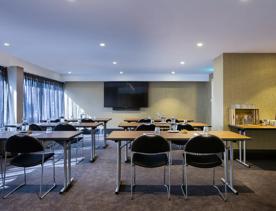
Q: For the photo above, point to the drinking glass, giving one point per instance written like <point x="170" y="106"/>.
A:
<point x="48" y="129"/>
<point x="205" y="130"/>
<point x="173" y="120"/>
<point x="157" y="130"/>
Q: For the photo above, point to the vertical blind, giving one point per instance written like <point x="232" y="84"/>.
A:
<point x="3" y="96"/>
<point x="43" y="98"/>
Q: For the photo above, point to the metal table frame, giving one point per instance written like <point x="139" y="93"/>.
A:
<point x="228" y="164"/>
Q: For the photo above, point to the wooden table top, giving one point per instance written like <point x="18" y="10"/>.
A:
<point x="98" y="119"/>
<point x="159" y="124"/>
<point x="43" y="135"/>
<point x="131" y="135"/>
<point x="75" y="124"/>
<point x="136" y="119"/>
<point x="253" y="127"/>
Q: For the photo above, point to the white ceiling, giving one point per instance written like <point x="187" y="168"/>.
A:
<point x="145" y="36"/>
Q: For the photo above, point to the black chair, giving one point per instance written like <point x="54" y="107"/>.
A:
<point x="170" y="120"/>
<point x="34" y="127"/>
<point x="146" y="120"/>
<point x="30" y="152"/>
<point x="204" y="151"/>
<point x="145" y="127"/>
<point x="86" y="131"/>
<point x="48" y="144"/>
<point x="55" y="121"/>
<point x="185" y="127"/>
<point x="181" y="143"/>
<point x="150" y="152"/>
<point x="68" y="127"/>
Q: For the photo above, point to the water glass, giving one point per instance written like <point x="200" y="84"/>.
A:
<point x="48" y="129"/>
<point x="157" y="130"/>
<point x="205" y="130"/>
<point x="2" y="129"/>
<point x="174" y="127"/>
<point x="173" y="120"/>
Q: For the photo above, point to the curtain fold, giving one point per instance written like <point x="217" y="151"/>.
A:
<point x="3" y="96"/>
<point x="43" y="98"/>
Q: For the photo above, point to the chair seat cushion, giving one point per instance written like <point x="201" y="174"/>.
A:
<point x="28" y="160"/>
<point x="206" y="161"/>
<point x="150" y="161"/>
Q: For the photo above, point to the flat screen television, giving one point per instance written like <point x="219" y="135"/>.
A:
<point x="126" y="95"/>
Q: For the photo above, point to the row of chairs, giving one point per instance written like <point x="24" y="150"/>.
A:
<point x="148" y="120"/>
<point x="30" y="152"/>
<point x="151" y="151"/>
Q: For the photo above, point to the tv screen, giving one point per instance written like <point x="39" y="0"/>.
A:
<point x="126" y="95"/>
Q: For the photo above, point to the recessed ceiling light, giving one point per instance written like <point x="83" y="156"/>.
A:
<point x="173" y="72"/>
<point x="71" y="0"/>
<point x="199" y="44"/>
<point x="102" y="44"/>
<point x="114" y="62"/>
<point x="6" y="44"/>
<point x="69" y="73"/>
<point x="182" y="62"/>
<point x="121" y="72"/>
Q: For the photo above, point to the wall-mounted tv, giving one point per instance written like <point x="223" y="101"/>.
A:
<point x="126" y="95"/>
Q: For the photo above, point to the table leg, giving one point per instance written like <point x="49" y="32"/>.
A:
<point x="118" y="176"/>
<point x="105" y="144"/>
<point x="229" y="168"/>
<point x="242" y="151"/>
<point x="93" y="145"/>
<point x="126" y="152"/>
<point x="67" y="166"/>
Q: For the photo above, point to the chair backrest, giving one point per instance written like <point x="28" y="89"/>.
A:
<point x="147" y="120"/>
<point x="150" y="144"/>
<point x="65" y="127"/>
<point x="55" y="120"/>
<point x="35" y="127"/>
<point x="169" y="120"/>
<point x="205" y="144"/>
<point x="23" y="144"/>
<point x="87" y="120"/>
<point x="185" y="127"/>
<point x="145" y="127"/>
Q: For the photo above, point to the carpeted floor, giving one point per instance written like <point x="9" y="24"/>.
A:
<point x="95" y="184"/>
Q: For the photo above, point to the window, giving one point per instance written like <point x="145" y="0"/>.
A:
<point x="3" y="96"/>
<point x="43" y="98"/>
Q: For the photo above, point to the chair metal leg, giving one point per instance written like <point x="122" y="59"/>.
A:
<point x="223" y="196"/>
<point x="1" y="166"/>
<point x="169" y="190"/>
<point x="4" y="182"/>
<point x="41" y="196"/>
<point x="132" y="177"/>
<point x="164" y="176"/>
<point x="184" y="186"/>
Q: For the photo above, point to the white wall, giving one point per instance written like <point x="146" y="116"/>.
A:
<point x="9" y="60"/>
<point x="189" y="100"/>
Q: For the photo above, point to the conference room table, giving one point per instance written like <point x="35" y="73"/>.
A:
<point x="136" y="119"/>
<point x="162" y="125"/>
<point x="91" y="125"/>
<point x="64" y="137"/>
<point x="227" y="136"/>
<point x="98" y="120"/>
<point x="242" y="129"/>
